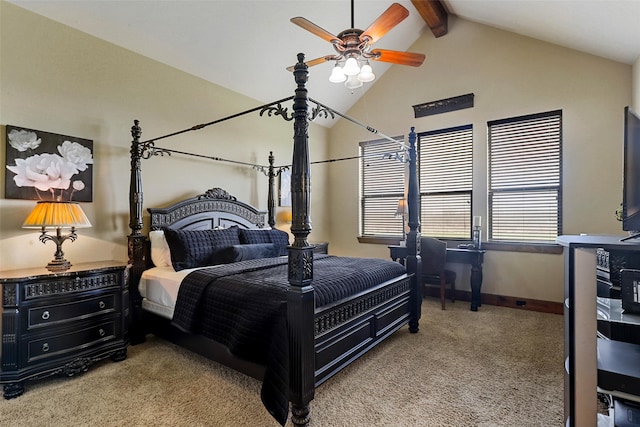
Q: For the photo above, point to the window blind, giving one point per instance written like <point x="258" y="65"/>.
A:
<point x="382" y="185"/>
<point x="446" y="182"/>
<point x="525" y="188"/>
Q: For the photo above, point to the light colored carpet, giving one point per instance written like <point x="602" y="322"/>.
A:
<point x="495" y="367"/>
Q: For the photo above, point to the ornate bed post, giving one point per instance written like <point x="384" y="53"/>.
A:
<point x="414" y="262"/>
<point x="300" y="297"/>
<point x="271" y="203"/>
<point x="136" y="240"/>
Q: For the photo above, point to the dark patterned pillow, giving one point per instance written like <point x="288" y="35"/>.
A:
<point x="237" y="253"/>
<point x="198" y="248"/>
<point x="278" y="237"/>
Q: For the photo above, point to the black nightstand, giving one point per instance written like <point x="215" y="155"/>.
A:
<point x="398" y="253"/>
<point x="321" y="248"/>
<point x="62" y="322"/>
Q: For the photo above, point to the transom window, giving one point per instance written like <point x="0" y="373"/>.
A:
<point x="525" y="188"/>
<point x="446" y="182"/>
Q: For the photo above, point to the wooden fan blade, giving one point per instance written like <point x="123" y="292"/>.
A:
<point x="396" y="57"/>
<point x="385" y="22"/>
<point x="313" y="28"/>
<point x="315" y="61"/>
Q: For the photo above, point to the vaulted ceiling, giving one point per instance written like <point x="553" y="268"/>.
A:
<point x="246" y="45"/>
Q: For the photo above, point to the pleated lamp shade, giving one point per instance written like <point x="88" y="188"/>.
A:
<point x="57" y="215"/>
<point x="284" y="216"/>
<point x="402" y="208"/>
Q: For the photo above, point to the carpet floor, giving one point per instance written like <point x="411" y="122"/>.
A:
<point x="495" y="367"/>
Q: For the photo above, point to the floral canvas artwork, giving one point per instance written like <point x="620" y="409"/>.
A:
<point x="47" y="166"/>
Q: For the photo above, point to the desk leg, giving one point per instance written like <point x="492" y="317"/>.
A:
<point x="476" y="284"/>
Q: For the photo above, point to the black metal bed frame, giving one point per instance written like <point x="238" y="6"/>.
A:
<point x="321" y="342"/>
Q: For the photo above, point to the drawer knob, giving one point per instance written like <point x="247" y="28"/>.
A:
<point x="45" y="315"/>
<point x="102" y="332"/>
<point x="101" y="304"/>
<point x="45" y="347"/>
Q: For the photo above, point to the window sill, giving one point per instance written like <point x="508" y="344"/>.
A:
<point x="540" y="248"/>
<point x="379" y="240"/>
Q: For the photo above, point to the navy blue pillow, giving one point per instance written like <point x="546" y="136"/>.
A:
<point x="237" y="253"/>
<point x="198" y="248"/>
<point x="272" y="235"/>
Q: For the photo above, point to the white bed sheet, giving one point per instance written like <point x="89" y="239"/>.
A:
<point x="159" y="289"/>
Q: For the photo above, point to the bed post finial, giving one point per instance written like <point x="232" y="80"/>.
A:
<point x="300" y="296"/>
<point x="300" y="169"/>
<point x="413" y="261"/>
<point x="271" y="203"/>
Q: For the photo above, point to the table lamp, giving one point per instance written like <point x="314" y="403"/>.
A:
<point x="58" y="215"/>
<point x="284" y="216"/>
<point x="401" y="211"/>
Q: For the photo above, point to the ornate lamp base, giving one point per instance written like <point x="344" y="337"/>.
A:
<point x="59" y="265"/>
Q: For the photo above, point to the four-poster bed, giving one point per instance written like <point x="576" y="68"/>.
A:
<point x="316" y="313"/>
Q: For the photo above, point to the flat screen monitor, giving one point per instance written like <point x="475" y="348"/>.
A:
<point x="631" y="173"/>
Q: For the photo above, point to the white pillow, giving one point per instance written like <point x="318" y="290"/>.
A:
<point x="160" y="253"/>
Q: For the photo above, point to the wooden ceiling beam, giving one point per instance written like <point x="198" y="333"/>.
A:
<point x="434" y="14"/>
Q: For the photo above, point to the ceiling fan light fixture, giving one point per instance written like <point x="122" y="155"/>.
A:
<point x="354" y="47"/>
<point x="337" y="75"/>
<point x="353" y="82"/>
<point x="351" y="67"/>
<point x="366" y="73"/>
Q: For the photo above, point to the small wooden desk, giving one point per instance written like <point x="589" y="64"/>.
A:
<point x="473" y="257"/>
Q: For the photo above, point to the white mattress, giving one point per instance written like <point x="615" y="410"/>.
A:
<point x="159" y="289"/>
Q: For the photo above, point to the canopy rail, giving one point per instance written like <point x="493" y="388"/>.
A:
<point x="275" y="108"/>
<point x="367" y="127"/>
<point x="147" y="149"/>
<point x="266" y="107"/>
<point x="161" y="151"/>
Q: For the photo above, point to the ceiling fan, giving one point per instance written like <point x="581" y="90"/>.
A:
<point x="354" y="47"/>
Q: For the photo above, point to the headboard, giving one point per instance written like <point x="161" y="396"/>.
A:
<point x="214" y="209"/>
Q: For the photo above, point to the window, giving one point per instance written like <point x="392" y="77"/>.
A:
<point x="525" y="188"/>
<point x="446" y="182"/>
<point x="382" y="179"/>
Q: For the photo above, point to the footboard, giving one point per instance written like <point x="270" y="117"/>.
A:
<point x="349" y="328"/>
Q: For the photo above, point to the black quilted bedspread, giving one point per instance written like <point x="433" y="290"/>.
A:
<point x="243" y="306"/>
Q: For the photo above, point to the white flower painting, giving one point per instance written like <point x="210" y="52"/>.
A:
<point x="47" y="166"/>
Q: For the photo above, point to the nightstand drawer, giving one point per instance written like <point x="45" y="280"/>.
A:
<point x="57" y="314"/>
<point x="62" y="286"/>
<point x="59" y="344"/>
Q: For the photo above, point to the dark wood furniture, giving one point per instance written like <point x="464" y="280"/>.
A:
<point x="321" y="247"/>
<point x="61" y="323"/>
<point x="590" y="361"/>
<point x="398" y="253"/>
<point x="472" y="257"/>
<point x="434" y="258"/>
<point x="321" y="342"/>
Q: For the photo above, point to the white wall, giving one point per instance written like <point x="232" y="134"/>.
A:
<point x="635" y="103"/>
<point x="510" y="75"/>
<point x="57" y="79"/>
